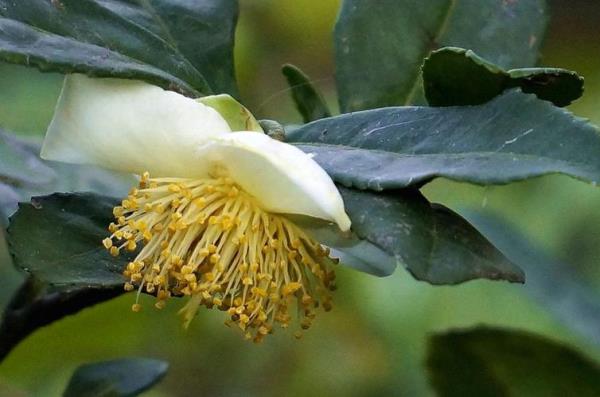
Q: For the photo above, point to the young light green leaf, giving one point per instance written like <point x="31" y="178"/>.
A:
<point x="458" y="77"/>
<point x="127" y="377"/>
<point x="380" y="45"/>
<point x="433" y="243"/>
<point x="183" y="46"/>
<point x="501" y="362"/>
<point x="308" y="100"/>
<point x="397" y="147"/>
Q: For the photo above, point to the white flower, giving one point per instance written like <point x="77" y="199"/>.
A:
<point x="211" y="218"/>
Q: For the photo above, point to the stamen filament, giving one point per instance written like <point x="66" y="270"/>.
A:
<point x="210" y="240"/>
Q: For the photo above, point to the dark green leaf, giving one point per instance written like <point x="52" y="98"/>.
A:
<point x="308" y="100"/>
<point x="555" y="285"/>
<point x="434" y="244"/>
<point x="380" y="45"/>
<point x="486" y="144"/>
<point x="495" y="362"/>
<point x="458" y="77"/>
<point x="57" y="239"/>
<point x="116" y="378"/>
<point x="184" y="46"/>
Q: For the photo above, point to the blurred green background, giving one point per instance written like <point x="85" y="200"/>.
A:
<point x="373" y="342"/>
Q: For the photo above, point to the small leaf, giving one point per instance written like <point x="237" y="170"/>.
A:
<point x="127" y="377"/>
<point x="496" y="362"/>
<point x="184" y="46"/>
<point x="397" y="147"/>
<point x="458" y="77"/>
<point x="553" y="284"/>
<point x="308" y="100"/>
<point x="380" y="45"/>
<point x="432" y="242"/>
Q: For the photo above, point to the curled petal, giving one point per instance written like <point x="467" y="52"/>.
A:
<point x="129" y="126"/>
<point x="280" y="176"/>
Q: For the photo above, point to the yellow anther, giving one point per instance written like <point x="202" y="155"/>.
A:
<point x="214" y="258"/>
<point x="290" y="288"/>
<point x="296" y="244"/>
<point x="259" y="292"/>
<point x="160" y="304"/>
<point x="173" y="188"/>
<point x="209" y="276"/>
<point x="114" y="251"/>
<point x="131" y="245"/>
<point x="212" y="248"/>
<point x="233" y="192"/>
<point x="128" y="287"/>
<point x="247" y="281"/>
<point x="136" y="307"/>
<point x="190" y="278"/>
<point x="186" y="269"/>
<point x="199" y="202"/>
<point x="107" y="242"/>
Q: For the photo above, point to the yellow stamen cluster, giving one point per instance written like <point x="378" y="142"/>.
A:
<point x="208" y="239"/>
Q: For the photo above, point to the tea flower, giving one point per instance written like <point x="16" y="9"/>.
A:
<point x="208" y="219"/>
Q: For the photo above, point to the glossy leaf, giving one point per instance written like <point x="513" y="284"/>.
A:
<point x="498" y="362"/>
<point x="308" y="100"/>
<point x="433" y="243"/>
<point x="397" y="147"/>
<point x="183" y="46"/>
<point x="553" y="284"/>
<point x="116" y="378"/>
<point x="380" y="45"/>
<point x="458" y="77"/>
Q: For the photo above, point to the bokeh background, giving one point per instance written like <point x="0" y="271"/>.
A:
<point x="374" y="341"/>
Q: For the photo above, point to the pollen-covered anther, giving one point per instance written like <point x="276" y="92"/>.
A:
<point x="210" y="240"/>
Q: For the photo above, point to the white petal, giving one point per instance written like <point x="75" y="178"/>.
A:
<point x="280" y="176"/>
<point x="129" y="126"/>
